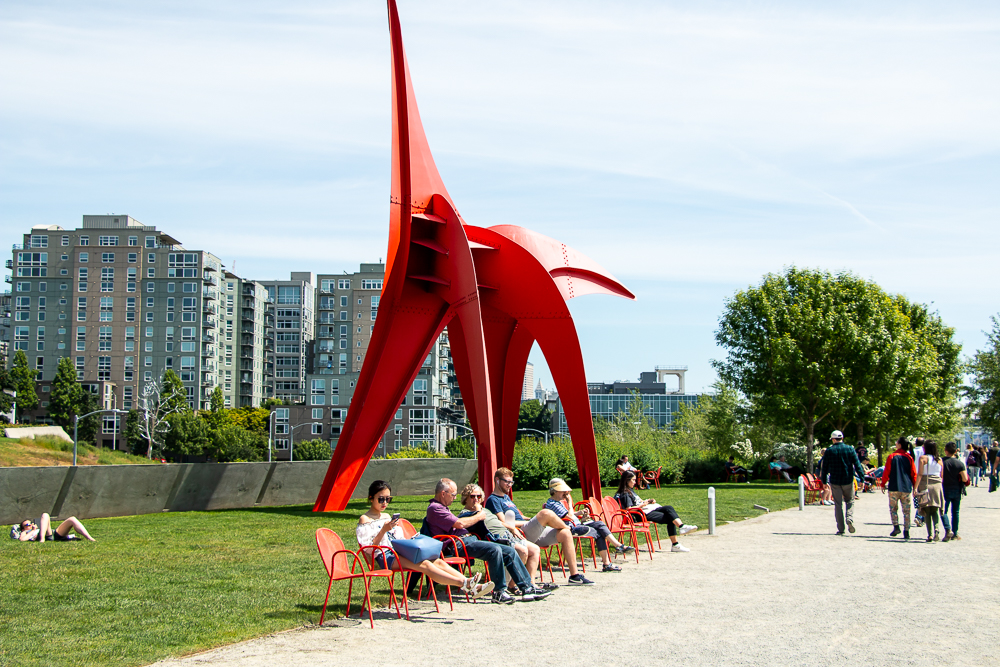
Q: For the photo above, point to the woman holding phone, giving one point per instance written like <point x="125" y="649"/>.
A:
<point x="665" y="515"/>
<point x="377" y="528"/>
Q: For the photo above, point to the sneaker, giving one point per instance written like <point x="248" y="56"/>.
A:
<point x="610" y="567"/>
<point x="482" y="589"/>
<point x="546" y="587"/>
<point x="533" y="593"/>
<point x="678" y="548"/>
<point x="685" y="529"/>
<point x="624" y="549"/>
<point x="850" y="526"/>
<point x="502" y="597"/>
<point x="906" y="534"/>
<point x="955" y="537"/>
<point x="895" y="531"/>
<point x="947" y="536"/>
<point x="580" y="580"/>
<point x="937" y="536"/>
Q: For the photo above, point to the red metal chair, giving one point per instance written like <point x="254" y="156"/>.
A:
<point x="408" y="532"/>
<point x="578" y="540"/>
<point x="653" y="477"/>
<point x="813" y="486"/>
<point x="620" y="523"/>
<point x="643" y="524"/>
<point x="774" y="475"/>
<point x="334" y="555"/>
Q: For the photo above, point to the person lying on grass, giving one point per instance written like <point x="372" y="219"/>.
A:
<point x="29" y="531"/>
<point x="661" y="514"/>
<point x="582" y="524"/>
<point x="377" y="528"/>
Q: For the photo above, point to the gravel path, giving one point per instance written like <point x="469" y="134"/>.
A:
<point x="780" y="588"/>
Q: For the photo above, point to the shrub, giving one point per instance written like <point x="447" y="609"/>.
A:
<point x="312" y="450"/>
<point x="460" y="448"/>
<point x="794" y="454"/>
<point x="415" y="453"/>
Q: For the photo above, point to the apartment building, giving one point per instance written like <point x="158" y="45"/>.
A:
<point x="346" y="307"/>
<point x="126" y="302"/>
<point x="249" y="320"/>
<point x="292" y="336"/>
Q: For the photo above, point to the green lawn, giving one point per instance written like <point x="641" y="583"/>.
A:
<point x="162" y="585"/>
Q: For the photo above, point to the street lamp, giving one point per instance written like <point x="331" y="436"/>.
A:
<point x="291" y="440"/>
<point x="270" y="431"/>
<point x="535" y="430"/>
<point x="76" y="425"/>
<point x="475" y="447"/>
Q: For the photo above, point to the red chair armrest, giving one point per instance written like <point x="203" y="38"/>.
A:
<point x="455" y="544"/>
<point x="355" y="556"/>
<point x="377" y="549"/>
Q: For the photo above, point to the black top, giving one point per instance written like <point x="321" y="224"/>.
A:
<point x="951" y="473"/>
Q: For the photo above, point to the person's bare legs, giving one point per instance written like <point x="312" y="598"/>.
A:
<point x="533" y="561"/>
<point x="44" y="527"/>
<point x="73" y="523"/>
<point x="565" y="540"/>
<point x="439" y="571"/>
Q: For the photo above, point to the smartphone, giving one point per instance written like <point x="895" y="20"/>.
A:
<point x="395" y="516"/>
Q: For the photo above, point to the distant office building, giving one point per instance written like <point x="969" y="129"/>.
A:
<point x="126" y="302"/>
<point x="527" y="393"/>
<point x="610" y="399"/>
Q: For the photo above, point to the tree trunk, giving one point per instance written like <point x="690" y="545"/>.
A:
<point x="878" y="446"/>
<point x="861" y="432"/>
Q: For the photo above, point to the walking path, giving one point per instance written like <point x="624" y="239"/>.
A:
<point x="779" y="589"/>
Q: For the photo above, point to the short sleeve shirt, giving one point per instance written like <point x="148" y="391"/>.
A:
<point x="442" y="521"/>
<point x="951" y="473"/>
<point x="501" y="504"/>
<point x="561" y="511"/>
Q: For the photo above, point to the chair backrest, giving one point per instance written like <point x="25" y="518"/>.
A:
<point x="328" y="543"/>
<point x="596" y="509"/>
<point x="612" y="519"/>
<point x="408" y="529"/>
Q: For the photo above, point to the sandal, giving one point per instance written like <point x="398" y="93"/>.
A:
<point x="610" y="567"/>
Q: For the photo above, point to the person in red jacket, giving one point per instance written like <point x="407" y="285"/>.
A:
<point x="898" y="476"/>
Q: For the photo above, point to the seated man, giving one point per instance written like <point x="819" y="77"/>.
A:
<point x="791" y="472"/>
<point x="739" y="471"/>
<point x="498" y="557"/>
<point x="544" y="529"/>
<point x="623" y="466"/>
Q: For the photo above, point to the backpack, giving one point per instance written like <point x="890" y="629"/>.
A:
<point x="972" y="461"/>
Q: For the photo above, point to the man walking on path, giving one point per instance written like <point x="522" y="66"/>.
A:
<point x="842" y="465"/>
<point x="898" y="475"/>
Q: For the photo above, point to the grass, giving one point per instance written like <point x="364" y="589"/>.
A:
<point x="55" y="452"/>
<point x="161" y="585"/>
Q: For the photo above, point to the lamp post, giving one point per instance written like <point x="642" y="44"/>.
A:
<point x="291" y="440"/>
<point x="535" y="430"/>
<point x="270" y="431"/>
<point x="76" y="425"/>
<point x="475" y="448"/>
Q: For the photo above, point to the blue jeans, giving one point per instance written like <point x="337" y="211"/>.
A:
<point x="953" y="500"/>
<point x="497" y="558"/>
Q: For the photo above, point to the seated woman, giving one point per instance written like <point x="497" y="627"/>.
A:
<point x="661" y="514"/>
<point x="497" y="528"/>
<point x="29" y="531"/>
<point x="581" y="524"/>
<point x="377" y="528"/>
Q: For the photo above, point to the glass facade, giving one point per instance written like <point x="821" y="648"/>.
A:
<point x="661" y="408"/>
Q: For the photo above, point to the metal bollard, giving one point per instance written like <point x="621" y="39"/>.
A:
<point x="802" y="492"/>
<point x="711" y="510"/>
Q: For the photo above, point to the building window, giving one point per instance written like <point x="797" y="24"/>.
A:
<point x="107" y="257"/>
<point x="317" y="413"/>
<point x="39" y="241"/>
<point x="65" y="240"/>
<point x="317" y="429"/>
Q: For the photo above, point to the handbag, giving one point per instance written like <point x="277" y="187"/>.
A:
<point x="417" y="549"/>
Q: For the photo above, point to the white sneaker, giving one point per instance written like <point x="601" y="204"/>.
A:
<point x="678" y="548"/>
<point x="685" y="529"/>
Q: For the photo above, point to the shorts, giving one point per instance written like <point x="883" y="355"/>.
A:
<point x="541" y="535"/>
<point x="380" y="559"/>
<point x="54" y="537"/>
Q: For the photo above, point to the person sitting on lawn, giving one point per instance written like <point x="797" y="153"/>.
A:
<point x="499" y="558"/>
<point x="377" y="528"/>
<point x="623" y="466"/>
<point x="494" y="528"/>
<point x="739" y="471"/>
<point x="582" y="524"/>
<point x="29" y="531"/>
<point x="544" y="529"/>
<point x="660" y="514"/>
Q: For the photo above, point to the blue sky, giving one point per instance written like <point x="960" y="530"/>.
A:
<point x="689" y="148"/>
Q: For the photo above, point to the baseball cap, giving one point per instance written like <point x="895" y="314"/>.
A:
<point x="836" y="435"/>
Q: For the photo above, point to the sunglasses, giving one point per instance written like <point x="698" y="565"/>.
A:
<point x="384" y="499"/>
<point x="475" y="495"/>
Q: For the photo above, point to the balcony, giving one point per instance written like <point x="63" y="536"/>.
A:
<point x="247" y="315"/>
<point x="209" y="294"/>
<point x="208" y="336"/>
<point x="208" y="366"/>
<point x="208" y="350"/>
<point x="8" y="279"/>
<point x="10" y="264"/>
<point x="207" y="307"/>
<point x="207" y="380"/>
<point x="208" y="321"/>
<point x="18" y="246"/>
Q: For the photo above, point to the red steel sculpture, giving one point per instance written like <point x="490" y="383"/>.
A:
<point x="498" y="290"/>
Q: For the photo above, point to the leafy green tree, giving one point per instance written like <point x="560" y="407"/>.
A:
<point x="133" y="431"/>
<point x="256" y="420"/>
<point x="22" y="378"/>
<point x="6" y="385"/>
<point x="534" y="415"/>
<point x="984" y="389"/>
<point x="188" y="435"/>
<point x="312" y="450"/>
<point x="460" y="448"/>
<point x="231" y="443"/>
<point x="87" y="427"/>
<point x="217" y="402"/>
<point x="64" y="401"/>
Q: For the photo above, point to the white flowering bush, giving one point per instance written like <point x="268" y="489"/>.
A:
<point x="744" y="453"/>
<point x="794" y="454"/>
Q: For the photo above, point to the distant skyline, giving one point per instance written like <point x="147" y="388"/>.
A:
<point x="689" y="149"/>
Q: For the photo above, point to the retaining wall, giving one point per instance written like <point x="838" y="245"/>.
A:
<point x="122" y="490"/>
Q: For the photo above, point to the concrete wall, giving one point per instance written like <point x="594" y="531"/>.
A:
<point x="33" y="432"/>
<point x="122" y="490"/>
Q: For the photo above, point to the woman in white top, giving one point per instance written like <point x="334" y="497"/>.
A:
<point x="928" y="486"/>
<point x="376" y="527"/>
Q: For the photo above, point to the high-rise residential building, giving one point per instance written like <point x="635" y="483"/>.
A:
<point x="527" y="385"/>
<point x="126" y="302"/>
<point x="293" y="334"/>
<point x="346" y="308"/>
<point x="249" y="315"/>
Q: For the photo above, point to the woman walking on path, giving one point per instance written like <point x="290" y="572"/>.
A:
<point x="661" y="514"/>
<point x="953" y="482"/>
<point x="898" y="476"/>
<point x="928" y="485"/>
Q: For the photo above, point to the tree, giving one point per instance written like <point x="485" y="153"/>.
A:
<point x="173" y="395"/>
<point x="217" y="402"/>
<point x="155" y="406"/>
<point x="87" y="427"/>
<point x="984" y="390"/>
<point x="188" y="435"/>
<point x="230" y="442"/>
<point x="64" y="401"/>
<point x="312" y="450"/>
<point x="535" y="416"/>
<point x="133" y="431"/>
<point x="23" y="380"/>
<point x="6" y="392"/>
<point x="460" y="448"/>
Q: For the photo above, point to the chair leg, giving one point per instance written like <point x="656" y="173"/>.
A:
<point x="326" y="599"/>
<point x="350" y="588"/>
<point x="368" y="601"/>
<point x="659" y="546"/>
<point x="406" y="600"/>
<point x="392" y="593"/>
